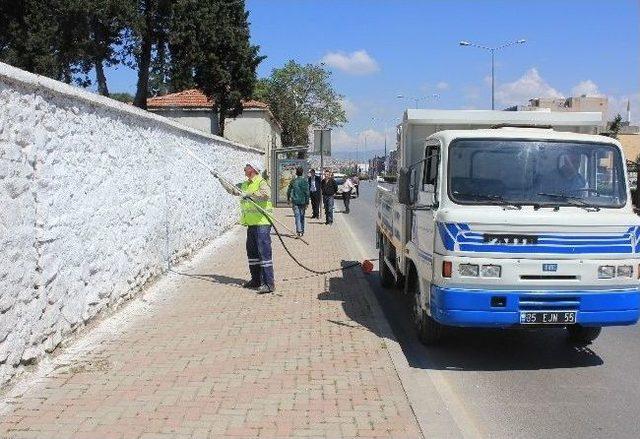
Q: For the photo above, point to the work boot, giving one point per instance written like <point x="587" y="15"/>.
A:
<point x="264" y="289"/>
<point x="251" y="284"/>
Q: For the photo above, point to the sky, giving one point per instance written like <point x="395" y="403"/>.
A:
<point x="380" y="49"/>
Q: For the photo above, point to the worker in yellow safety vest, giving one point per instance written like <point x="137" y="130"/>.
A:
<point x="258" y="227"/>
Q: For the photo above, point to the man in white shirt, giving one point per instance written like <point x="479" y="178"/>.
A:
<point x="347" y="188"/>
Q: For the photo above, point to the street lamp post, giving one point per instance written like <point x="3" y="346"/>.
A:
<point x="493" y="52"/>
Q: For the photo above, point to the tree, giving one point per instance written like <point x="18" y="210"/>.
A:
<point x="125" y="97"/>
<point x="106" y="30"/>
<point x="43" y="37"/>
<point x="210" y="45"/>
<point x="149" y="26"/>
<point x="614" y="126"/>
<point x="301" y="96"/>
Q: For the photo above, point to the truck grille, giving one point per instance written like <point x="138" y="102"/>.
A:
<point x="534" y="302"/>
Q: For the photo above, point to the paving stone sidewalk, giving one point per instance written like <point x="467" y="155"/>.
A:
<point x="207" y="358"/>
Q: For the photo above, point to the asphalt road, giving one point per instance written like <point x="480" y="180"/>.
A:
<point x="519" y="384"/>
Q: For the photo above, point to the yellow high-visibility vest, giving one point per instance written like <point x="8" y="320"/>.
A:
<point x="249" y="213"/>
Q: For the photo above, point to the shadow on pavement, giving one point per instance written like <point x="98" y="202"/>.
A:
<point x="472" y="349"/>
<point x="213" y="278"/>
<point x="343" y="287"/>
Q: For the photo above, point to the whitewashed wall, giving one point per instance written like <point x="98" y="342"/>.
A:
<point x="96" y="197"/>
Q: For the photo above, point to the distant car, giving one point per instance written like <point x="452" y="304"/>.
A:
<point x="340" y="179"/>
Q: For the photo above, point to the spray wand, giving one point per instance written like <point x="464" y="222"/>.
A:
<point x="270" y="218"/>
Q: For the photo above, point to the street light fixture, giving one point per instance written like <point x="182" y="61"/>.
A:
<point x="493" y="51"/>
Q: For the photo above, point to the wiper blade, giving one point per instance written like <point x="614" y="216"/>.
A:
<point x="571" y="199"/>
<point x="497" y="199"/>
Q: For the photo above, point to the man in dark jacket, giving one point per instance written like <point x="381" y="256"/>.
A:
<point x="329" y="189"/>
<point x="315" y="192"/>
<point x="298" y="195"/>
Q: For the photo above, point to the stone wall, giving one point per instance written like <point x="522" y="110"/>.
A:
<point x="96" y="199"/>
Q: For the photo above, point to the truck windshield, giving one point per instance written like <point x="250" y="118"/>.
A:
<point x="539" y="173"/>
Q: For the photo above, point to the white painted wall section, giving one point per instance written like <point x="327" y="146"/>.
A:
<point x="96" y="197"/>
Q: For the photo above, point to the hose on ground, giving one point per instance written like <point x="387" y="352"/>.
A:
<point x="300" y="264"/>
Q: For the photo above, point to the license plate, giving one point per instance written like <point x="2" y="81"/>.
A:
<point x="548" y="317"/>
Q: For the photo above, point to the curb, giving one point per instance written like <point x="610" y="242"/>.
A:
<point x="437" y="411"/>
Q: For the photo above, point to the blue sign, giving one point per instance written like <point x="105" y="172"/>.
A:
<point x="549" y="267"/>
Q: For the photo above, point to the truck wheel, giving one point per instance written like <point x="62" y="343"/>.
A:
<point x="386" y="277"/>
<point x="583" y="334"/>
<point x="429" y="331"/>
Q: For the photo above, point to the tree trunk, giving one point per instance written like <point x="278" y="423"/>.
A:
<point x="100" y="40"/>
<point x="221" y="118"/>
<point x="101" y="78"/>
<point x="144" y="62"/>
<point x="222" y="113"/>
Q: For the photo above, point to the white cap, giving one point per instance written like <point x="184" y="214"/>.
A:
<point x="253" y="166"/>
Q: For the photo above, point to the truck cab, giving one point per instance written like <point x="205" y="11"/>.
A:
<point x="512" y="227"/>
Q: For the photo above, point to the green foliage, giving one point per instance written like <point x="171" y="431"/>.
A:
<point x="127" y="98"/>
<point x="214" y="51"/>
<point x="42" y="36"/>
<point x="614" y="126"/>
<point x="149" y="32"/>
<point x="105" y="29"/>
<point x="301" y="96"/>
<point x="173" y="44"/>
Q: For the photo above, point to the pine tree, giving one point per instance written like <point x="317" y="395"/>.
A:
<point x="148" y="27"/>
<point x="105" y="28"/>
<point x="42" y="37"/>
<point x="214" y="47"/>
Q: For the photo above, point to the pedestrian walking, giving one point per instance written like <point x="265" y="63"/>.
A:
<point x="298" y="196"/>
<point x="356" y="182"/>
<point x="347" y="189"/>
<point x="315" y="193"/>
<point x="258" y="227"/>
<point x="329" y="189"/>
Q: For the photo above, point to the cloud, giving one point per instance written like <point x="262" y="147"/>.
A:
<point x="442" y="86"/>
<point x="587" y="87"/>
<point x="355" y="63"/>
<point x="528" y="86"/>
<point x="343" y="140"/>
<point x="349" y="108"/>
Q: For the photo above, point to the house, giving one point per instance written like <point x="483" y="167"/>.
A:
<point x="256" y="126"/>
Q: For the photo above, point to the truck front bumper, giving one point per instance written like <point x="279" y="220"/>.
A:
<point x="499" y="308"/>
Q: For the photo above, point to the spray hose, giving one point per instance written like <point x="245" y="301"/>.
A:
<point x="366" y="265"/>
<point x="366" y="268"/>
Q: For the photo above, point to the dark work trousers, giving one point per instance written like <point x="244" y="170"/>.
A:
<point x="346" y="197"/>
<point x="328" y="208"/>
<point x="259" y="254"/>
<point x="315" y="203"/>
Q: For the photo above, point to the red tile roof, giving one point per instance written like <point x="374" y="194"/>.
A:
<point x="193" y="99"/>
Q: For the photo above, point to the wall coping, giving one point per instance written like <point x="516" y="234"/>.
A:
<point x="15" y="75"/>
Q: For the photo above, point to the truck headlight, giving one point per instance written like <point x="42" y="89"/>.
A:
<point x="606" y="272"/>
<point x="468" y="270"/>
<point x="490" y="271"/>
<point x="625" y="271"/>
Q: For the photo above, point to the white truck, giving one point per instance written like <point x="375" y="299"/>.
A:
<point x="510" y="219"/>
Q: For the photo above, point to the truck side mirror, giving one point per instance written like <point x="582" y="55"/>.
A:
<point x="407" y="186"/>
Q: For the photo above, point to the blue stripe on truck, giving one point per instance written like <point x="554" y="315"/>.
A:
<point x="460" y="237"/>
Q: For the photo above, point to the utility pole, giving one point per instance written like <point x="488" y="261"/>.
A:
<point x="321" y="152"/>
